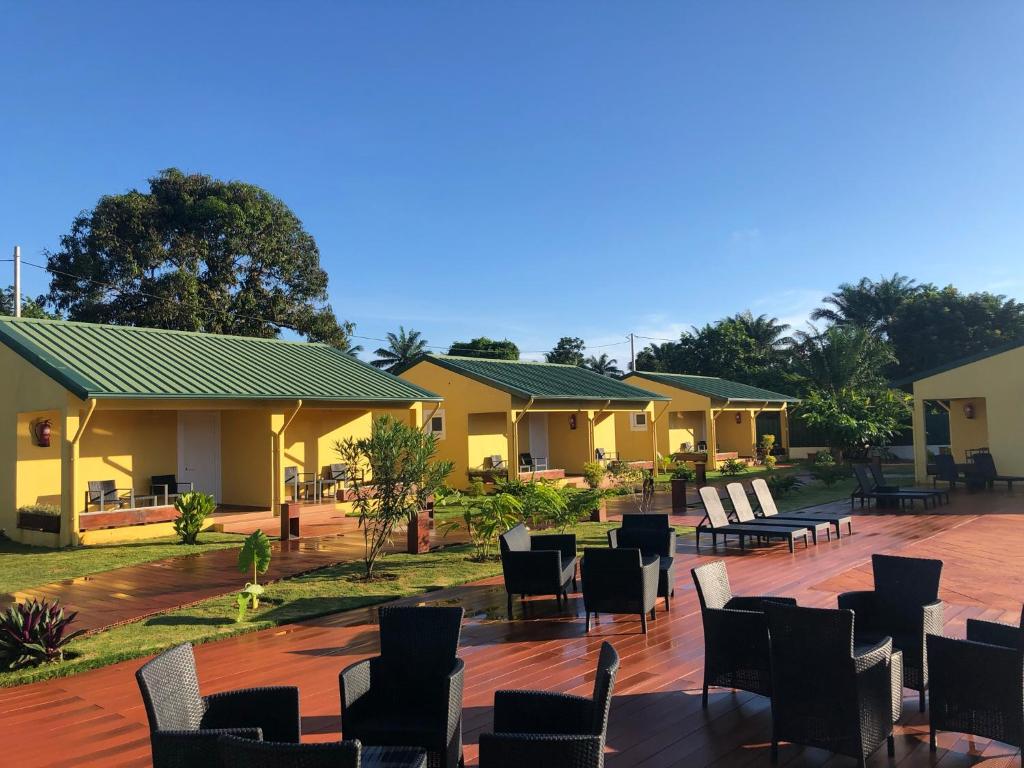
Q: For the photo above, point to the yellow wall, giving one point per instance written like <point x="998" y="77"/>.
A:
<point x="682" y="421"/>
<point x="462" y="396"/>
<point x="683" y="427"/>
<point x="38" y="469"/>
<point x="994" y="385"/>
<point x="246" y="458"/>
<point x="605" y="435"/>
<point x="568" y="449"/>
<point x="486" y="436"/>
<point x="736" y="437"/>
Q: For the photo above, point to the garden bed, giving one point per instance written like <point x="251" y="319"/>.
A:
<point x="121" y="518"/>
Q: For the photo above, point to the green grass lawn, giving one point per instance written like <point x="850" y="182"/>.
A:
<point x="22" y="566"/>
<point x="338" y="588"/>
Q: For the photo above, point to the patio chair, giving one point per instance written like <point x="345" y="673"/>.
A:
<point x="184" y="727"/>
<point x="552" y="729"/>
<point x="301" y="483"/>
<point x="977" y="684"/>
<point x="497" y="461"/>
<point x="411" y="694"/>
<point x="168" y="487"/>
<point x="601" y="455"/>
<point x="654" y="540"/>
<point x="867" y="490"/>
<point x="530" y="463"/>
<point x="882" y="484"/>
<point x="745" y="515"/>
<point x="105" y="495"/>
<point x="905" y="606"/>
<point x="766" y="504"/>
<point x="718" y="525"/>
<point x="825" y="692"/>
<point x="237" y="752"/>
<point x="986" y="468"/>
<point x="619" y="581"/>
<point x="334" y="478"/>
<point x="735" y="633"/>
<point x="946" y="470"/>
<point x="537" y="565"/>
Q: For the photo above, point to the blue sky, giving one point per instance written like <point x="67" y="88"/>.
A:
<point x="532" y="170"/>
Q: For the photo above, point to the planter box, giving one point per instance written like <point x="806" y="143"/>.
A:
<point x="33" y="521"/>
<point x="679" y="496"/>
<point x="418" y="534"/>
<point x="600" y="515"/>
<point x="119" y="518"/>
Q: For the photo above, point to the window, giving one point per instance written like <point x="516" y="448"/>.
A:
<point x="638" y="422"/>
<point x="435" y="425"/>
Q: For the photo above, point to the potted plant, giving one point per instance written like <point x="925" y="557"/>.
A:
<point x="682" y="476"/>
<point x="39" y="517"/>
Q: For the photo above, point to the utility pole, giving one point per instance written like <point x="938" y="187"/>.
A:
<point x="17" y="281"/>
<point x="632" y="353"/>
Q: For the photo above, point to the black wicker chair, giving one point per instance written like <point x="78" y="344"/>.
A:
<point x="735" y="633"/>
<point x="236" y="752"/>
<point x="977" y="684"/>
<point x="537" y="565"/>
<point x="411" y="694"/>
<point x="652" y="540"/>
<point x="824" y="693"/>
<point x="184" y="726"/>
<point x="619" y="581"/>
<point x="946" y="470"/>
<point x="552" y="729"/>
<point x="905" y="606"/>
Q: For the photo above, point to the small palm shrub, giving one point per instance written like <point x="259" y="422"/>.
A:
<point x="733" y="467"/>
<point x="683" y="472"/>
<point x="193" y="509"/>
<point x="476" y="487"/>
<point x="827" y="471"/>
<point x="485" y="518"/>
<point x="782" y="484"/>
<point x="34" y="633"/>
<point x="253" y="556"/>
<point x="769" y="462"/>
<point x="545" y="505"/>
<point x="593" y="473"/>
<point x="579" y="505"/>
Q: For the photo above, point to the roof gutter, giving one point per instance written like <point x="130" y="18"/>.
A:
<point x="84" y="423"/>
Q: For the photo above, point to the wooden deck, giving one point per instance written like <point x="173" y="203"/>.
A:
<point x="97" y="719"/>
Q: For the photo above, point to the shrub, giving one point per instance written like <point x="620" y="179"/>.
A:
<point x="733" y="467"/>
<point x="767" y="443"/>
<point x="34" y="633"/>
<point x="782" y="484"/>
<point x="593" y="473"/>
<point x="485" y="518"/>
<point x="826" y="470"/>
<point x="255" y="556"/>
<point x="769" y="462"/>
<point x="193" y="509"/>
<point x="581" y="504"/>
<point x="476" y="487"/>
<point x="684" y="472"/>
<point x="40" y="509"/>
<point x="513" y="487"/>
<point x="544" y="505"/>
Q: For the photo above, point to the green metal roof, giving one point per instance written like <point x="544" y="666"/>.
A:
<point x="721" y="389"/>
<point x="110" y="361"/>
<point x="548" y="381"/>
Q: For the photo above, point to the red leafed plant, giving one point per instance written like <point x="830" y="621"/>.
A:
<point x="34" y="633"/>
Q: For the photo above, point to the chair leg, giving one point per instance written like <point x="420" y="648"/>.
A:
<point x="588" y="622"/>
<point x="932" y="745"/>
<point x="704" y="696"/>
<point x="775" y="752"/>
<point x="920" y="700"/>
<point x="643" y="622"/>
<point x="510" y="606"/>
<point x="654" y="615"/>
<point x="667" y="609"/>
<point x="890" y="745"/>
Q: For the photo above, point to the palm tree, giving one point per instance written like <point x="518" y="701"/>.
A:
<point x="766" y="331"/>
<point x="841" y="356"/>
<point x="402" y="348"/>
<point x="868" y="304"/>
<point x="603" y="365"/>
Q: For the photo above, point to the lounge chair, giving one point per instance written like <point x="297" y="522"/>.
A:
<point x="619" y="581"/>
<point x="653" y="536"/>
<point x="531" y="463"/>
<point x="302" y="483"/>
<point x="184" y="727"/>
<point x="975" y="684"/>
<point x="905" y="606"/>
<point x="168" y="487"/>
<point x="867" y="490"/>
<point x="552" y="729"/>
<point x="766" y="502"/>
<point x="718" y="524"/>
<point x="826" y="692"/>
<point x="882" y="485"/>
<point x="105" y="495"/>
<point x="735" y="633"/>
<point x="745" y="515"/>
<point x="946" y="470"/>
<point x="986" y="468"/>
<point x="537" y="565"/>
<point x="411" y="694"/>
<point x="237" y="752"/>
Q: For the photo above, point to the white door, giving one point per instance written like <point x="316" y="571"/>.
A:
<point x="199" y="450"/>
<point x="539" y="435"/>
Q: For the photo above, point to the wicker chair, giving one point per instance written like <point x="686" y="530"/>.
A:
<point x="552" y="729"/>
<point x="904" y="606"/>
<point x="825" y="694"/>
<point x="411" y="694"/>
<point x="651" y="540"/>
<point x="977" y="684"/>
<point x="537" y="565"/>
<point x="184" y="727"/>
<point x="619" y="581"/>
<point x="735" y="633"/>
<point x="236" y="752"/>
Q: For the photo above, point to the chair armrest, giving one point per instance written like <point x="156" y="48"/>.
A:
<point x="880" y="653"/>
<point x="613" y="537"/>
<point x="542" y="712"/>
<point x="515" y="750"/>
<point x="650" y="575"/>
<point x="275" y="710"/>
<point x="161" y="490"/>
<point x="732" y="623"/>
<point x="933" y="618"/>
<point x="456" y="684"/>
<point x="355" y="682"/>
<point x="563" y="542"/>
<point x="172" y="749"/>
<point x="994" y="633"/>
<point x="862" y="602"/>
<point x="757" y="602"/>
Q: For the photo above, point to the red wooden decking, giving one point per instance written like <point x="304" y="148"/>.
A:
<point x="97" y="719"/>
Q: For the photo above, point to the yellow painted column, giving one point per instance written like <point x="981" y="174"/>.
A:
<point x="753" y="430"/>
<point x="654" y="436"/>
<point x="69" y="501"/>
<point x="784" y="430"/>
<point x="590" y="436"/>
<point x="920" y="441"/>
<point x="712" y="432"/>
<point x="277" y="420"/>
<point x="512" y="430"/>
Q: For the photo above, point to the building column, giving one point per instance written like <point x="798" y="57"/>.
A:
<point x="69" y="501"/>
<point x="710" y="417"/>
<point x="920" y="441"/>
<point x="784" y="430"/>
<point x="512" y="430"/>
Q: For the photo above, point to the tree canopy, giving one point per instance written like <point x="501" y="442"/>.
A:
<point x="194" y="253"/>
<point x="403" y="347"/>
<point x="486" y="348"/>
<point x="603" y="365"/>
<point x="29" y="307"/>
<point x="568" y="351"/>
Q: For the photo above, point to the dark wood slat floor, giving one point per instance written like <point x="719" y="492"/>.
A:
<point x="97" y="719"/>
